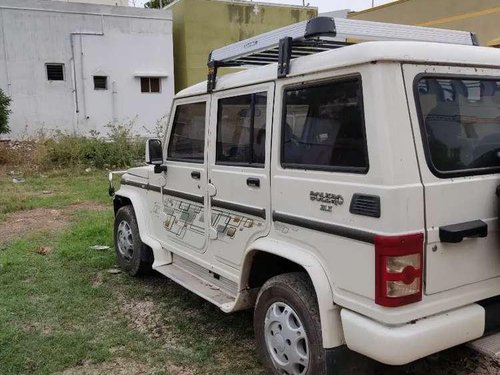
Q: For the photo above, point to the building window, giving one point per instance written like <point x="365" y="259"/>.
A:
<point x="323" y="128"/>
<point x="150" y="84"/>
<point x="55" y="72"/>
<point x="100" y="83"/>
<point x="187" y="139"/>
<point x="241" y="130"/>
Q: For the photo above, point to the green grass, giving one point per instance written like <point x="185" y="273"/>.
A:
<point x="64" y="312"/>
<point x="52" y="190"/>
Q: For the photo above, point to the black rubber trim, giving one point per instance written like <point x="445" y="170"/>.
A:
<point x="475" y="39"/>
<point x="492" y="314"/>
<point x="338" y="230"/>
<point x="135" y="184"/>
<point x="182" y="195"/>
<point x="174" y="193"/>
<point x="253" y="211"/>
<point x="320" y="26"/>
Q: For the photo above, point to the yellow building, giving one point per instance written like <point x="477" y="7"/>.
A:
<point x="199" y="26"/>
<point x="479" y="16"/>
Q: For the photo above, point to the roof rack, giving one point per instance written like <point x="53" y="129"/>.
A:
<point x="318" y="35"/>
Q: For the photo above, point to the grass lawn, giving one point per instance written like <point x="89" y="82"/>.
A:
<point x="62" y="312"/>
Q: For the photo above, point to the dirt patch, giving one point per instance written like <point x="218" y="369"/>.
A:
<point x="51" y="220"/>
<point x="119" y="366"/>
<point x="43" y="250"/>
<point x="97" y="280"/>
<point x="144" y="317"/>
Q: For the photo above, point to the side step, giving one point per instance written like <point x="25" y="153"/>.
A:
<point x="487" y="345"/>
<point x="199" y="280"/>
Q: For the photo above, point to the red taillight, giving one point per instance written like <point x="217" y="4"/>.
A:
<point x="398" y="269"/>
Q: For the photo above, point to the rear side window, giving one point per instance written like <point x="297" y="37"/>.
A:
<point x="187" y="139"/>
<point x="323" y="128"/>
<point x="460" y="120"/>
<point x="241" y="130"/>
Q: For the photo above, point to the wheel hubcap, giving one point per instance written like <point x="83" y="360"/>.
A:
<point x="286" y="339"/>
<point x="125" y="240"/>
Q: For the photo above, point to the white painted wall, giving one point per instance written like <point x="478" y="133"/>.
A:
<point x="115" y="41"/>
<point x="123" y="3"/>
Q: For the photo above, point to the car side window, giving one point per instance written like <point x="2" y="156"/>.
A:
<point x="187" y="139"/>
<point x="323" y="127"/>
<point x="241" y="130"/>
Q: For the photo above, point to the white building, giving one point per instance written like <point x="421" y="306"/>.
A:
<point x="123" y="3"/>
<point x="78" y="67"/>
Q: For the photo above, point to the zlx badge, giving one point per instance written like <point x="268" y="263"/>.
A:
<point x="329" y="199"/>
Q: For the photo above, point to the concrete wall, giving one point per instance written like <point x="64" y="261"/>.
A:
<point x="479" y="16"/>
<point x="203" y="25"/>
<point x="118" y="42"/>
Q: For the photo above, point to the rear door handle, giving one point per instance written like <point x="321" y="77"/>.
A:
<point x="457" y="232"/>
<point x="253" y="182"/>
<point x="195" y="175"/>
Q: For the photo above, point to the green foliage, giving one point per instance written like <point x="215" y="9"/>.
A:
<point x="119" y="149"/>
<point x="4" y="113"/>
<point x="156" y="3"/>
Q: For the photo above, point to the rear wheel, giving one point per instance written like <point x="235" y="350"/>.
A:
<point x="287" y="326"/>
<point x="134" y="257"/>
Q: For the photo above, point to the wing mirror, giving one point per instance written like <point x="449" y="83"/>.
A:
<point x="154" y="155"/>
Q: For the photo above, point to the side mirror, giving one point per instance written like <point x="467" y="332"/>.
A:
<point x="154" y="154"/>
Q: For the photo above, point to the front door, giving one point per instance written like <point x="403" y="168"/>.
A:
<point x="238" y="174"/>
<point x="178" y="196"/>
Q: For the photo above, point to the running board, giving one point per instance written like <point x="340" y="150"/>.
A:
<point x="219" y="291"/>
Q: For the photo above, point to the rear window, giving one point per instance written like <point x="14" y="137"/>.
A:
<point x="241" y="130"/>
<point x="460" y="120"/>
<point x="323" y="128"/>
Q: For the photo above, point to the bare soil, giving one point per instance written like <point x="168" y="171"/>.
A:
<point x="120" y="366"/>
<point x="22" y="224"/>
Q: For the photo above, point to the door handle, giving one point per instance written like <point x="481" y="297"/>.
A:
<point x="253" y="182"/>
<point x="195" y="175"/>
<point x="457" y="232"/>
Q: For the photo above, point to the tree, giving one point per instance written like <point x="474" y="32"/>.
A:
<point x="156" y="3"/>
<point x="4" y="113"/>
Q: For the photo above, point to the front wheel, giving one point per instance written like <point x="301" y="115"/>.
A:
<point x="287" y="326"/>
<point x="134" y="257"/>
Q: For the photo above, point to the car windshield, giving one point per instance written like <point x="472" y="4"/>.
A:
<point x="461" y="123"/>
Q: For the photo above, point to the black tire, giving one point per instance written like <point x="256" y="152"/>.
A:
<point x="137" y="259"/>
<point x="296" y="291"/>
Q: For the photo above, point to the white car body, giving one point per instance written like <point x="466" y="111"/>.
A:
<point x="334" y="246"/>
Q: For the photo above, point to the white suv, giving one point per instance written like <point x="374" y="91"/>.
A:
<point x="350" y="199"/>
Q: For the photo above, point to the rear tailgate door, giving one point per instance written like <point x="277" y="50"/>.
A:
<point x="456" y="122"/>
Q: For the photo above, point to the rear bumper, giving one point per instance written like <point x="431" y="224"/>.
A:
<point x="398" y="345"/>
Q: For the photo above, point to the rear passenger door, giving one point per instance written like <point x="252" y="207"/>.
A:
<point x="238" y="172"/>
